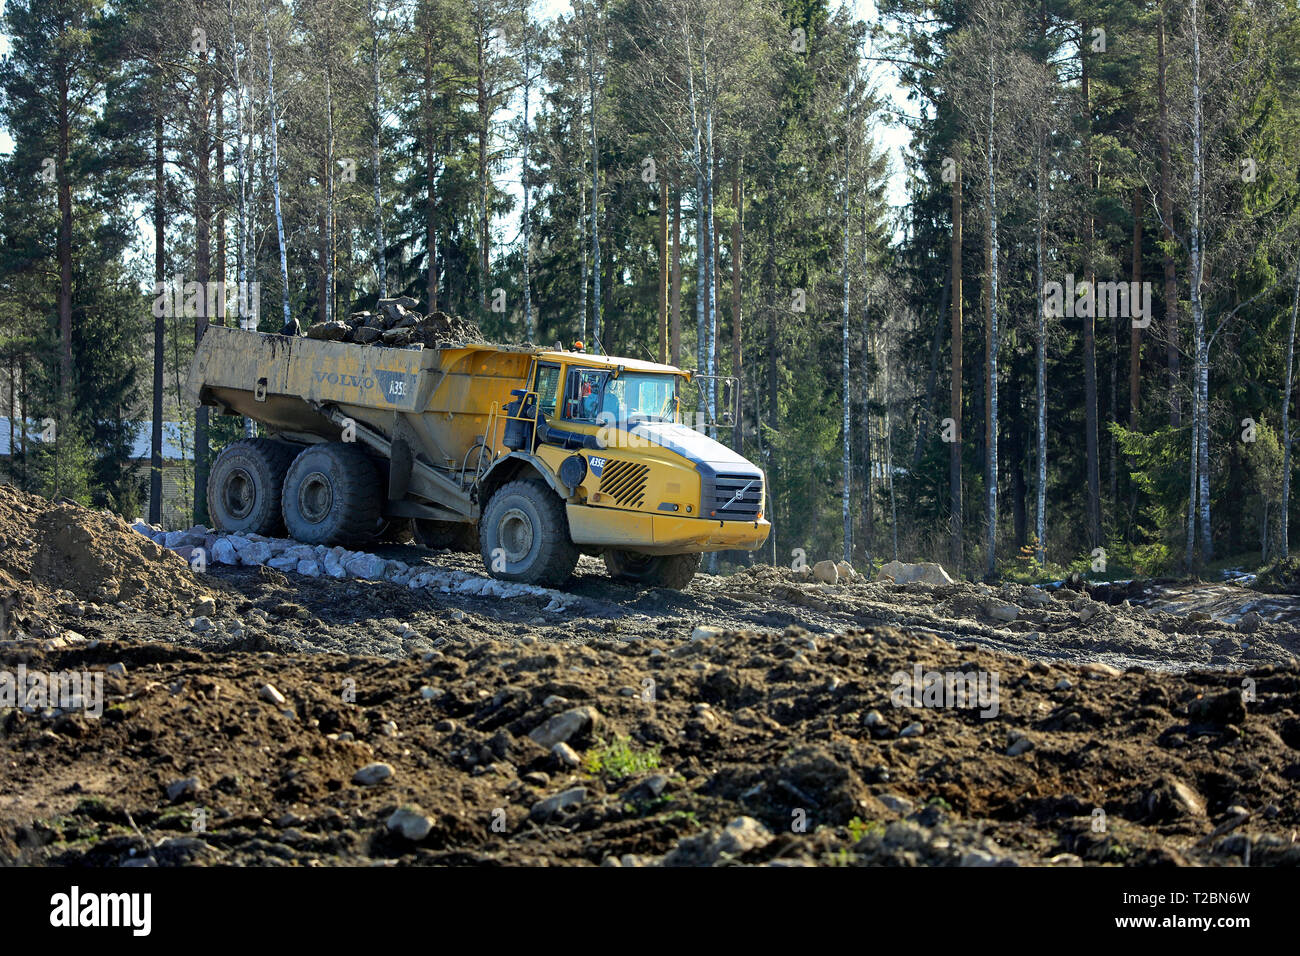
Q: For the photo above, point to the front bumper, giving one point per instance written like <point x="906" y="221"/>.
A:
<point x="661" y="534"/>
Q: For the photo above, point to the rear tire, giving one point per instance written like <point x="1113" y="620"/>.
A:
<point x="524" y="536"/>
<point x="245" y="483"/>
<point x="653" y="570"/>
<point x="331" y="495"/>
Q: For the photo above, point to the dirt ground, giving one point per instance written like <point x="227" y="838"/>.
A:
<point x="750" y="719"/>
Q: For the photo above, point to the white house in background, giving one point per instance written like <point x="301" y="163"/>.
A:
<point x="175" y="507"/>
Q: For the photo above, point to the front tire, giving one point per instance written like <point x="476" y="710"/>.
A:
<point x="673" y="571"/>
<point x="331" y="495"/>
<point x="524" y="536"/>
<point x="244" y="486"/>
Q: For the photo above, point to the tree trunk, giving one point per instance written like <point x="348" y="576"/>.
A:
<point x="701" y="286"/>
<point x="1135" y="349"/>
<point x="1089" y="319"/>
<point x="1198" y="305"/>
<point x="702" y="252"/>
<point x="322" y="252"/>
<point x="1040" y="364"/>
<point x="737" y="250"/>
<point x="846" y="424"/>
<point x="709" y="279"/>
<point x="889" y="455"/>
<point x="64" y="247"/>
<point x="484" y="131"/>
<point x="203" y="273"/>
<point x="1200" y="407"/>
<point x="247" y="308"/>
<point x="1135" y="333"/>
<point x="1015" y="466"/>
<point x="381" y="260"/>
<point x="10" y="465"/>
<point x="529" y="331"/>
<point x="595" y="194"/>
<point x="64" y="243"/>
<point x="580" y="187"/>
<point x="773" y="365"/>
<point x="430" y="182"/>
<point x="275" y="165"/>
<point x="677" y="275"/>
<point x="868" y="476"/>
<point x="954" y="406"/>
<point x="219" y="207"/>
<point x="992" y="385"/>
<point x="159" y="322"/>
<point x="329" y="180"/>
<point x="582" y="247"/>
<point x="1286" y="418"/>
<point x="1173" y="357"/>
<point x="661" y="298"/>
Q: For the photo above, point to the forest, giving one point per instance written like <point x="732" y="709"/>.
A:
<point x="1069" y="346"/>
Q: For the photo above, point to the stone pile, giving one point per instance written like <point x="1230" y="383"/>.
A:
<point x="396" y="324"/>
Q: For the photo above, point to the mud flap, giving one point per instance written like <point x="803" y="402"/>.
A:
<point x="399" y="470"/>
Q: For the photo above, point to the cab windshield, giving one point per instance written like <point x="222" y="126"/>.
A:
<point x="596" y="395"/>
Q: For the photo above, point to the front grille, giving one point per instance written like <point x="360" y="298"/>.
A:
<point x="624" y="481"/>
<point x="722" y="501"/>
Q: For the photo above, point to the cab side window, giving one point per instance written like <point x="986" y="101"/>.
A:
<point x="582" y="394"/>
<point x="548" y="389"/>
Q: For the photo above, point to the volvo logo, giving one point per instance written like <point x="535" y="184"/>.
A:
<point x="739" y="495"/>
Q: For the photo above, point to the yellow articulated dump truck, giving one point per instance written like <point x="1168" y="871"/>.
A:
<point x="538" y="455"/>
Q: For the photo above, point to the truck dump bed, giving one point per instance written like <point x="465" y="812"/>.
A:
<point x="295" y="385"/>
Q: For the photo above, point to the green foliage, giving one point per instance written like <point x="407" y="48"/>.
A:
<point x="62" y="467"/>
<point x="619" y="758"/>
<point x="859" y="829"/>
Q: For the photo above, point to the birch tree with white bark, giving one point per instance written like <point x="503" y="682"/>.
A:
<point x="1218" y="60"/>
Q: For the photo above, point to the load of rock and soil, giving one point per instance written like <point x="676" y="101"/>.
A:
<point x="396" y="324"/>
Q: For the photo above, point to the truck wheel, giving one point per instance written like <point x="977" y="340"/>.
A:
<point x="331" y="495"/>
<point x="657" y="571"/>
<point x="441" y="535"/>
<point x="244" y="486"/>
<point x="524" y="535"/>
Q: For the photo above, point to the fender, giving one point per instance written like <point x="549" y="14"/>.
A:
<point x="523" y="461"/>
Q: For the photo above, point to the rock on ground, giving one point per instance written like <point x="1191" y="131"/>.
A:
<point x="923" y="573"/>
